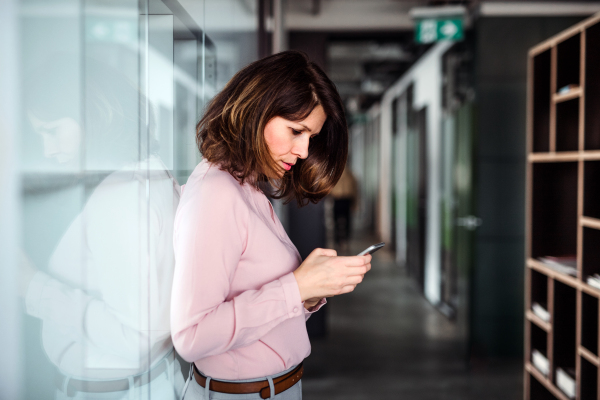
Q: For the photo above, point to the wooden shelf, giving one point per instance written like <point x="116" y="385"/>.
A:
<point x="545" y="381"/>
<point x="538" y="321"/>
<point x="543" y="268"/>
<point x="554" y="157"/>
<point x="567" y="279"/>
<point x="551" y="42"/>
<point x="592" y="291"/>
<point x="574" y="93"/>
<point x="589" y="222"/>
<point x="563" y="209"/>
<point x="564" y="156"/>
<point x="590" y="155"/>
<point x="588" y="355"/>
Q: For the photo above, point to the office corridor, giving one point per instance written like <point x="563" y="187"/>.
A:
<point x="385" y="341"/>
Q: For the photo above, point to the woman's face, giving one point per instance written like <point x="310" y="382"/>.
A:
<point x="288" y="140"/>
<point x="61" y="137"/>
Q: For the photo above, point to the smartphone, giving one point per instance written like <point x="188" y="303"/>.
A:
<point x="371" y="249"/>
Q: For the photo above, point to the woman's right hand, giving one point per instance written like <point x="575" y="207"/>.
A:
<point x="324" y="274"/>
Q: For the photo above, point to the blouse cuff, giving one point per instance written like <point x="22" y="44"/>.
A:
<point x="292" y="295"/>
<point x="316" y="307"/>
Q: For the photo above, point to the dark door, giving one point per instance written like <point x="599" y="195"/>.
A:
<point x="466" y="222"/>
<point x="417" y="193"/>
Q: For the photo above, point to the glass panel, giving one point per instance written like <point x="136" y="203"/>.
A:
<point x="231" y="26"/>
<point x="11" y="363"/>
<point x="111" y="92"/>
<point x="187" y="103"/>
<point x="53" y="193"/>
<point x="98" y="199"/>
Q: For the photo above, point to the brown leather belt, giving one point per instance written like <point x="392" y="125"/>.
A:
<point x="116" y="385"/>
<point x="281" y="383"/>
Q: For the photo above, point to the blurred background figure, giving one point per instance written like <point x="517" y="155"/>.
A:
<point x="344" y="203"/>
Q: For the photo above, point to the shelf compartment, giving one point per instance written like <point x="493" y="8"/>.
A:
<point x="538" y="321"/>
<point x="541" y="102"/>
<point x="540" y="388"/>
<point x="589" y="323"/>
<point x="591" y="253"/>
<point x="564" y="344"/>
<point x="567" y="125"/>
<point x="591" y="189"/>
<point x="554" y="209"/>
<point x="568" y="59"/>
<point x="573" y="93"/>
<point x="538" y="286"/>
<point x="538" y="341"/>
<point x="588" y="380"/>
<point x="592" y="88"/>
<point x="565" y="382"/>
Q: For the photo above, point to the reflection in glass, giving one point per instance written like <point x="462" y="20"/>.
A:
<point x="104" y="297"/>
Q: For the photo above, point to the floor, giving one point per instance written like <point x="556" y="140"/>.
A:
<point x="385" y="341"/>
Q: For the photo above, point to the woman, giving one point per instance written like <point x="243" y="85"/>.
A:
<point x="241" y="293"/>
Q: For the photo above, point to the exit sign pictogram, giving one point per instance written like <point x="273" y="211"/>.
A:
<point x="434" y="30"/>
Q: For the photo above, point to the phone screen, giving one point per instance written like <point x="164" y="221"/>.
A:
<point x="371" y="249"/>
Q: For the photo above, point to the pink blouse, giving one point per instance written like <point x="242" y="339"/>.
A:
<point x="236" y="309"/>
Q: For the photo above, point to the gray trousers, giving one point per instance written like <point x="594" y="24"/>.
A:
<point x="193" y="391"/>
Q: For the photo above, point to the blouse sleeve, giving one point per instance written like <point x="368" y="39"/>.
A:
<point x="129" y="254"/>
<point x="210" y="238"/>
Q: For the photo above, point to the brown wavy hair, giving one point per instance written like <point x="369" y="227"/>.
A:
<point x="287" y="85"/>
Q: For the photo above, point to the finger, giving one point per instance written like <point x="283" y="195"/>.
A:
<point x="325" y="252"/>
<point x="355" y="280"/>
<point x="353" y="271"/>
<point x="347" y="289"/>
<point x="355" y="261"/>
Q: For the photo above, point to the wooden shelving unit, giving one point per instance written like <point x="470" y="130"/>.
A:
<point x="563" y="213"/>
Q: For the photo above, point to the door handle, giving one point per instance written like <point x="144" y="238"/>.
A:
<point x="469" y="222"/>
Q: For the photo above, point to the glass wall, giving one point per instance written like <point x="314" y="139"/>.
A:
<point x="103" y="137"/>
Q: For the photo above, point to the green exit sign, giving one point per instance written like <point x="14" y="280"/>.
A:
<point x="434" y="30"/>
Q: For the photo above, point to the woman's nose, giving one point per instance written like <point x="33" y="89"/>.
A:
<point x="301" y="147"/>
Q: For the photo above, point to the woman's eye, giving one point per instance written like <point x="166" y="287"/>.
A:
<point x="295" y="132"/>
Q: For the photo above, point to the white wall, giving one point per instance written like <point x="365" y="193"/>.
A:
<point x="426" y="75"/>
<point x="400" y="150"/>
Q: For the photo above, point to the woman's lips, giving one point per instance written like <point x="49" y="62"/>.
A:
<point x="287" y="166"/>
